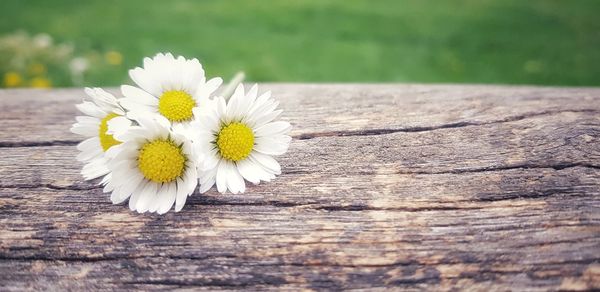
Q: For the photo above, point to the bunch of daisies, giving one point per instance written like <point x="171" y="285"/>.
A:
<point x="171" y="133"/>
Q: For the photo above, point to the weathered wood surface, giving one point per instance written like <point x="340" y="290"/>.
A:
<point x="385" y="186"/>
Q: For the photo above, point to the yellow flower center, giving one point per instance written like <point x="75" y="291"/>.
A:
<point x="176" y="105"/>
<point x="235" y="141"/>
<point x="161" y="161"/>
<point x="106" y="140"/>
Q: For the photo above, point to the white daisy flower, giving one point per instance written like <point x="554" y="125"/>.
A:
<point x="168" y="86"/>
<point x="102" y="108"/>
<point x="237" y="140"/>
<point x="154" y="167"/>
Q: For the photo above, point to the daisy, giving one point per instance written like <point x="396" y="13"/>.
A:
<point x="154" y="167"/>
<point x="168" y="86"/>
<point x="102" y="108"/>
<point x="237" y="140"/>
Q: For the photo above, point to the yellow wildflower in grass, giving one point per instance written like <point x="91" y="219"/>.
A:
<point x="113" y="57"/>
<point x="37" y="69"/>
<point x="12" y="79"/>
<point x="40" y="82"/>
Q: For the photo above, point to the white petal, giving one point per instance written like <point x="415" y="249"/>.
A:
<point x="258" y="120"/>
<point x="235" y="181"/>
<point x="132" y="105"/>
<point x="139" y="96"/>
<point x="235" y="104"/>
<point x="264" y="109"/>
<point x="166" y="202"/>
<point x="94" y="169"/>
<point x="125" y="151"/>
<point x="239" y="91"/>
<point x="90" y="154"/>
<point x="109" y="186"/>
<point x="221" y="108"/>
<point x="182" y="194"/>
<point x="274" y="128"/>
<point x="147" y="197"/>
<point x="105" y="179"/>
<point x="232" y="107"/>
<point x="245" y="102"/>
<point x="125" y="188"/>
<point x="190" y="179"/>
<point x="210" y="161"/>
<point x="260" y="171"/>
<point x="272" y="146"/>
<point x="146" y="81"/>
<point x="150" y="124"/>
<point x="134" y="133"/>
<point x="251" y="95"/>
<point x="87" y="131"/>
<point x="191" y="75"/>
<point x="207" y="122"/>
<point x="161" y="194"/>
<point x="136" y="195"/>
<point x="89" y="144"/>
<point x="221" y="177"/>
<point x="134" y="199"/>
<point x="261" y="102"/>
<point x="104" y="100"/>
<point x="163" y="122"/>
<point x="132" y="183"/>
<point x="116" y="198"/>
<point x="207" y="180"/>
<point x="122" y="169"/>
<point x="205" y="90"/>
<point x="91" y="109"/>
<point x="118" y="125"/>
<point x="248" y="171"/>
<point x="267" y="161"/>
<point x="88" y="120"/>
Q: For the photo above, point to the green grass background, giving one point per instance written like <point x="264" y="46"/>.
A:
<point x="550" y="42"/>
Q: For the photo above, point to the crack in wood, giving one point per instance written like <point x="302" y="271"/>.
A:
<point x="52" y="187"/>
<point x="532" y="195"/>
<point x="384" y="131"/>
<point x="261" y="280"/>
<point x="85" y="259"/>
<point x="407" y="209"/>
<point x="558" y="166"/>
<point x="104" y="258"/>
<point x="19" y="144"/>
<point x="349" y="133"/>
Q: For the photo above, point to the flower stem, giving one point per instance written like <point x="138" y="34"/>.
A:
<point x="237" y="79"/>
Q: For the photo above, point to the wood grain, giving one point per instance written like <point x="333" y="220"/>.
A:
<point x="415" y="187"/>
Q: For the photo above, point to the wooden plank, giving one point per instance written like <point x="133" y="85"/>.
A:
<point x="44" y="116"/>
<point x="407" y="186"/>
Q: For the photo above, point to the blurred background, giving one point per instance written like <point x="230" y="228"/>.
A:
<point x="62" y="43"/>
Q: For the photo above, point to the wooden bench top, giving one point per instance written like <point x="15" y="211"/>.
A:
<point x="409" y="186"/>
